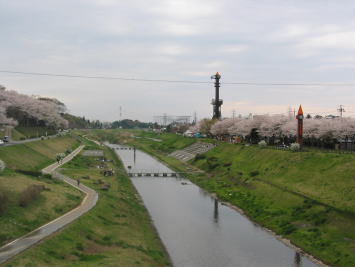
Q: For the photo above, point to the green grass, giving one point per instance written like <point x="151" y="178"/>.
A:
<point x="53" y="202"/>
<point x="169" y="142"/>
<point x="116" y="232"/>
<point x="16" y="135"/>
<point x="308" y="197"/>
<point x="24" y="162"/>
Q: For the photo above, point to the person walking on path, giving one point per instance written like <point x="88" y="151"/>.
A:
<point x="78" y="181"/>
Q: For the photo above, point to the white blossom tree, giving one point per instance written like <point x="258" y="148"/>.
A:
<point x="14" y="106"/>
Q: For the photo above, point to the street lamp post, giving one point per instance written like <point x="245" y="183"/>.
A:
<point x="216" y="102"/>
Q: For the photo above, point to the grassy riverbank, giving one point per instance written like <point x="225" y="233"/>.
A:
<point x="307" y="197"/>
<point x="116" y="232"/>
<point x="36" y="155"/>
<point x="28" y="198"/>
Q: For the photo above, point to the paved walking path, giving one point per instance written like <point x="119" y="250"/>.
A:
<point x="24" y="242"/>
<point x="92" y="140"/>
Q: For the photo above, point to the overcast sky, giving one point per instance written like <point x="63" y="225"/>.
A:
<point x="288" y="41"/>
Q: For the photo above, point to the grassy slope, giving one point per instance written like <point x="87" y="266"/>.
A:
<point x="269" y="185"/>
<point x="59" y="199"/>
<point x="36" y="155"/>
<point x="16" y="135"/>
<point x="117" y="232"/>
<point x="31" y="132"/>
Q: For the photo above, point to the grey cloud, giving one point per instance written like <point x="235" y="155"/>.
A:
<point x="260" y="41"/>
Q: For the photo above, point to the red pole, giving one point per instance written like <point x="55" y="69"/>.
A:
<point x="300" y="126"/>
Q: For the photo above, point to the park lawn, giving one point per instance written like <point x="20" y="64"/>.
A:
<point x="57" y="199"/>
<point x="38" y="154"/>
<point x="307" y="197"/>
<point x="116" y="232"/>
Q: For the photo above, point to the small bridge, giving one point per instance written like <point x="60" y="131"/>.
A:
<point x="155" y="174"/>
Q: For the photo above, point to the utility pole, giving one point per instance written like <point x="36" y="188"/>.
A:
<point x="195" y="117"/>
<point x="165" y="119"/>
<point x="341" y="110"/>
<point x="289" y="112"/>
<point x="216" y="102"/>
<point x="120" y="111"/>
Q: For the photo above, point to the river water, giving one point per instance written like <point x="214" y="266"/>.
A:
<point x="196" y="229"/>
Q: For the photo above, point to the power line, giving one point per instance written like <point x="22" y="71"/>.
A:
<point x="290" y="84"/>
<point x="100" y="77"/>
<point x="175" y="81"/>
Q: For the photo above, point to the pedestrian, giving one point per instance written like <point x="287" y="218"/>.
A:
<point x="78" y="181"/>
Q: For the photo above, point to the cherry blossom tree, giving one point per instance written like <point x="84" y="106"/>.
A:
<point x="221" y="127"/>
<point x="16" y="107"/>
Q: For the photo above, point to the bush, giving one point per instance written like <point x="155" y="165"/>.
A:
<point x="295" y="147"/>
<point x="200" y="157"/>
<point x="68" y="151"/>
<point x="254" y="173"/>
<point x="30" y="173"/>
<point x="3" y="202"/>
<point x="262" y="144"/>
<point x="212" y="163"/>
<point x="60" y="156"/>
<point x="2" y="165"/>
<point x="30" y="194"/>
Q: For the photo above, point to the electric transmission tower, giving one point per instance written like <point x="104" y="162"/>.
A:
<point x="341" y="110"/>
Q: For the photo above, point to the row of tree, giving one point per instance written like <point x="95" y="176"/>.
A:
<point x="132" y="124"/>
<point x="268" y="127"/>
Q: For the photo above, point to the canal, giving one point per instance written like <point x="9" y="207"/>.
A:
<point x="196" y="229"/>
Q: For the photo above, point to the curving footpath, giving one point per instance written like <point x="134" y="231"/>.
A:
<point x="13" y="248"/>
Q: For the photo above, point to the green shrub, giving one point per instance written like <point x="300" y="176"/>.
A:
<point x="254" y="173"/>
<point x="262" y="144"/>
<point x="30" y="173"/>
<point x="200" y="157"/>
<point x="212" y="163"/>
<point x="3" y="202"/>
<point x="295" y="147"/>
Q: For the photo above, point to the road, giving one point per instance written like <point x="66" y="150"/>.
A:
<point x="13" y="248"/>
<point x="12" y="143"/>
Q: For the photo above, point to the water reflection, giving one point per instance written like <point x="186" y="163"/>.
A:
<point x="215" y="214"/>
<point x="297" y="262"/>
<point x="134" y="155"/>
